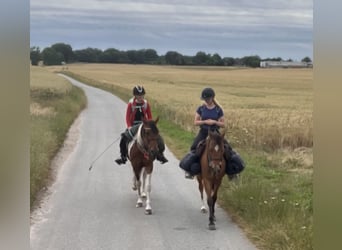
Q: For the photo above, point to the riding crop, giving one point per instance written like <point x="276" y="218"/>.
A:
<point x="91" y="165"/>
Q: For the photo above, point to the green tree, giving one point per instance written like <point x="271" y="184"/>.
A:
<point x="65" y="50"/>
<point x="201" y="58"/>
<point x="151" y="56"/>
<point x="306" y="59"/>
<point x="110" y="56"/>
<point x="90" y="55"/>
<point x="52" y="57"/>
<point x="215" y="60"/>
<point x="251" y="61"/>
<point x="228" y="61"/>
<point x="174" y="58"/>
<point x="35" y="55"/>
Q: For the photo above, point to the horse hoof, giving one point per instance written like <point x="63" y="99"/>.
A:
<point x="139" y="204"/>
<point x="212" y="227"/>
<point x="134" y="188"/>
<point x="204" y="210"/>
<point x="148" y="211"/>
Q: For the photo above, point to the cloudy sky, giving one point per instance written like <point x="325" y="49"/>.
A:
<point x="231" y="28"/>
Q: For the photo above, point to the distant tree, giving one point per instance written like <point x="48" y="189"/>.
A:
<point x="228" y="61"/>
<point x="151" y="56"/>
<point x="91" y="55"/>
<point x="201" y="58"/>
<point x="275" y="59"/>
<point x="306" y="59"/>
<point x="65" y="50"/>
<point x="35" y="55"/>
<point x="52" y="57"/>
<point x="174" y="58"/>
<point x="289" y="60"/>
<point x="215" y="60"/>
<point x="251" y="61"/>
<point x="110" y="56"/>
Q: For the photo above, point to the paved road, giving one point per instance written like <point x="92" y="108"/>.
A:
<point x="96" y="209"/>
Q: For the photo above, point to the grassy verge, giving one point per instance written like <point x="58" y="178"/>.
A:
<point x="272" y="200"/>
<point x="52" y="113"/>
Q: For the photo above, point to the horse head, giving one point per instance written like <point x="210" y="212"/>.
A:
<point x="215" y="151"/>
<point x="149" y="136"/>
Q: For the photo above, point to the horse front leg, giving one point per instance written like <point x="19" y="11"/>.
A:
<point x="148" y="208"/>
<point x="137" y="184"/>
<point x="143" y="183"/>
<point x="210" y="202"/>
<point x="200" y="188"/>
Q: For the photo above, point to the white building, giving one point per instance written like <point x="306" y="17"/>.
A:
<point x="284" y="64"/>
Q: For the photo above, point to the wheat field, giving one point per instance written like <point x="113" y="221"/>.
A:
<point x="265" y="108"/>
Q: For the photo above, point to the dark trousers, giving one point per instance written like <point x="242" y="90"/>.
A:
<point x="202" y="134"/>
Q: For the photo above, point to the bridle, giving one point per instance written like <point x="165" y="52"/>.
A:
<point x="211" y="161"/>
<point x="141" y="145"/>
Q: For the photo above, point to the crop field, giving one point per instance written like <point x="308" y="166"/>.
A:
<point x="264" y="108"/>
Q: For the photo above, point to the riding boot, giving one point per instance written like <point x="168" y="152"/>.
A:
<point x="188" y="175"/>
<point x="160" y="157"/>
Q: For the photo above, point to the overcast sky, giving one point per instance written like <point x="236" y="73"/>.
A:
<point x="268" y="28"/>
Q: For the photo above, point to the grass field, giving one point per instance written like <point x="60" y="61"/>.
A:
<point x="54" y="105"/>
<point x="268" y="114"/>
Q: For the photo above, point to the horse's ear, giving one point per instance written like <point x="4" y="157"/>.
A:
<point x="156" y="120"/>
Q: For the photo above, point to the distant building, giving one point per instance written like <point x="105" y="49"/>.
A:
<point x="285" y="64"/>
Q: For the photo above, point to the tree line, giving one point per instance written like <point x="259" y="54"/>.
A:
<point x="61" y="53"/>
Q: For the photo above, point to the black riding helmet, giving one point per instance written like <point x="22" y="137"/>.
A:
<point x="207" y="93"/>
<point x="138" y="90"/>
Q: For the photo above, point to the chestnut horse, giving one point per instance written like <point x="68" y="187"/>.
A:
<point x="142" y="152"/>
<point x="212" y="170"/>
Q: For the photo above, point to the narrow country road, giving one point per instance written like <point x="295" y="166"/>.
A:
<point x="96" y="209"/>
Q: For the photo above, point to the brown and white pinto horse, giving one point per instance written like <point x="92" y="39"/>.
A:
<point x="212" y="170"/>
<point x="142" y="152"/>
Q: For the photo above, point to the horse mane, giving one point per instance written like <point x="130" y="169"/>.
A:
<point x="153" y="126"/>
<point x="216" y="136"/>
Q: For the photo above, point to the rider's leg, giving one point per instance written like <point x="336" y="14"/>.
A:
<point x="123" y="150"/>
<point x="160" y="156"/>
<point x="126" y="138"/>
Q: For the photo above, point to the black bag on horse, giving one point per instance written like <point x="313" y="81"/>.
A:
<point x="190" y="163"/>
<point x="235" y="164"/>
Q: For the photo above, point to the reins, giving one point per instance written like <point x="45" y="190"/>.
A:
<point x="140" y="144"/>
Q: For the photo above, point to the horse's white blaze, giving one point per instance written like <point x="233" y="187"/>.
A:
<point x="217" y="148"/>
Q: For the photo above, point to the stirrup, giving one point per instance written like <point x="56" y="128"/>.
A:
<point x="121" y="160"/>
<point x="162" y="159"/>
<point x="188" y="175"/>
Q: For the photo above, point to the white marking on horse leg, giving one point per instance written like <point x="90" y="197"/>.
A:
<point x="143" y="185"/>
<point x="139" y="201"/>
<point x="148" y="208"/>
<point x="203" y="207"/>
<point x="134" y="186"/>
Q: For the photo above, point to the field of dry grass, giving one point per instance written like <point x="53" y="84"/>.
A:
<point x="268" y="108"/>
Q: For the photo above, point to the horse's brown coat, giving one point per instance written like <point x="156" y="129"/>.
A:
<point x="212" y="171"/>
<point x="142" y="153"/>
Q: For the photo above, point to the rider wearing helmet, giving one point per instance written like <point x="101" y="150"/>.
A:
<point x="208" y="116"/>
<point x="138" y="109"/>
